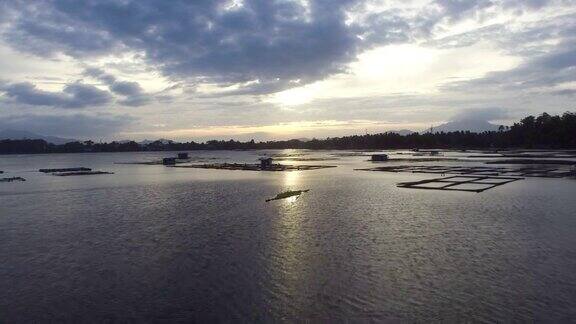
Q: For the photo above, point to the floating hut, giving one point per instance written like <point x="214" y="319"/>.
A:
<point x="266" y="163"/>
<point x="379" y="157"/>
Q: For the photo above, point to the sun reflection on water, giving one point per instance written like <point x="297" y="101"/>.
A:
<point x="289" y="268"/>
<point x="291" y="179"/>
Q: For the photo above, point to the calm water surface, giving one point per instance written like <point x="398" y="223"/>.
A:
<point x="152" y="243"/>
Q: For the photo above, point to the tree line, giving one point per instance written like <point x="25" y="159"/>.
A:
<point x="544" y="131"/>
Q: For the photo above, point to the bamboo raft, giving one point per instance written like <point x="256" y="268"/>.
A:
<point x="255" y="167"/>
<point x="288" y="194"/>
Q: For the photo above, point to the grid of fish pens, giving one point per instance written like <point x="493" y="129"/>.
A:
<point x="478" y="170"/>
<point x="460" y="183"/>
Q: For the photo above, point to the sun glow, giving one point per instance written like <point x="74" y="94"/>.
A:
<point x="400" y="69"/>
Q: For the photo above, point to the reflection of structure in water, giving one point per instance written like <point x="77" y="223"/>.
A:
<point x="379" y="157"/>
<point x="169" y="161"/>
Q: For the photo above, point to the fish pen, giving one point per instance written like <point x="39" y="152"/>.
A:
<point x="12" y="179"/>
<point x="80" y="173"/>
<point x="169" y="162"/>
<point x="255" y="167"/>
<point x="460" y="183"/>
<point x="537" y="172"/>
<point x="533" y="161"/>
<point x="79" y="169"/>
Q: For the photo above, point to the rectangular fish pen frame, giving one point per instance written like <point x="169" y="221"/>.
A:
<point x="478" y="183"/>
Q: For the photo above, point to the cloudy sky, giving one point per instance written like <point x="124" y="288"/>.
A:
<point x="199" y="69"/>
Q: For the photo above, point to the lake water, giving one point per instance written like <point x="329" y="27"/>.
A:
<point x="153" y="243"/>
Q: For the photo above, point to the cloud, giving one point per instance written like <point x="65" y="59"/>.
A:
<point x="273" y="44"/>
<point x="260" y="40"/>
<point x="73" y="96"/>
<point x="227" y="52"/>
<point x="457" y="9"/>
<point x="132" y="92"/>
<point x="481" y="114"/>
<point x="553" y="68"/>
<point x="76" y="125"/>
<point x="266" y="46"/>
<point x="565" y="92"/>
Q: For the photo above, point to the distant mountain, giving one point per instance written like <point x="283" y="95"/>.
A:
<point x="475" y="126"/>
<point x="18" y="135"/>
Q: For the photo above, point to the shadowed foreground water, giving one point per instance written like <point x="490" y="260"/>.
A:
<point x="155" y="243"/>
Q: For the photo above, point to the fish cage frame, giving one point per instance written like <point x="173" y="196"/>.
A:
<point x="451" y="183"/>
<point x="477" y="170"/>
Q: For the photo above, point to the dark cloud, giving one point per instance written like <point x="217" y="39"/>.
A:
<point x="75" y="95"/>
<point x="267" y="45"/>
<point x="275" y="42"/>
<point x="77" y="125"/>
<point x="132" y="92"/>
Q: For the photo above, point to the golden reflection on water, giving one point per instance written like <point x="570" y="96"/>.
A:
<point x="291" y="182"/>
<point x="291" y="179"/>
<point x="288" y="268"/>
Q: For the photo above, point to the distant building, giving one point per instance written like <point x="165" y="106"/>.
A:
<point x="266" y="163"/>
<point x="169" y="161"/>
<point x="379" y="157"/>
<point x="183" y="156"/>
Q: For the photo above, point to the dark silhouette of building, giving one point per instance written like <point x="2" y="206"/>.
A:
<point x="266" y="163"/>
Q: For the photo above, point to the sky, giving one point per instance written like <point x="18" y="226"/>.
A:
<point x="279" y="69"/>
